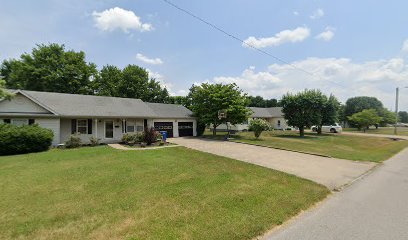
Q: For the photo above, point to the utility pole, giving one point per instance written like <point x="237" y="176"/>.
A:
<point x="396" y="110"/>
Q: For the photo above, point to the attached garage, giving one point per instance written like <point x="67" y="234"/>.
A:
<point x="185" y="129"/>
<point x="164" y="126"/>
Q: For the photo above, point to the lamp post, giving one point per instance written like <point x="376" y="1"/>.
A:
<point x="396" y="109"/>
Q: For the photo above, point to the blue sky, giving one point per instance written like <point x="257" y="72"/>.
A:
<point x="352" y="47"/>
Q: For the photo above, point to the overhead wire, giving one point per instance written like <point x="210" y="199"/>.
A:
<point x="243" y="42"/>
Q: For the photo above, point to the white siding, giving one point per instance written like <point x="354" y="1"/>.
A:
<point x="21" y="104"/>
<point x="52" y="124"/>
<point x="98" y="129"/>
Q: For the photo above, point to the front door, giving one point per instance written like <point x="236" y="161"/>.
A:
<point x="109" y="129"/>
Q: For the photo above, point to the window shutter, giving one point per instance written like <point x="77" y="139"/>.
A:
<point x="31" y="121"/>
<point x="89" y="126"/>
<point x="7" y="120"/>
<point x="73" y="126"/>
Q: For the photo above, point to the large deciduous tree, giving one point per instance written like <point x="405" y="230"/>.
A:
<point x="358" y="104"/>
<point x="208" y="99"/>
<point x="403" y="116"/>
<point x="106" y="82"/>
<point x="387" y="116"/>
<point x="303" y="109"/>
<point x="3" y="93"/>
<point x="329" y="111"/>
<point x="259" y="101"/>
<point x="135" y="83"/>
<point x="365" y="118"/>
<point x="50" y="68"/>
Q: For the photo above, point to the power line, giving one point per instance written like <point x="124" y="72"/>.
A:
<point x="244" y="42"/>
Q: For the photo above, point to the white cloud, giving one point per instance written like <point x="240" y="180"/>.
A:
<point x="169" y="86"/>
<point x="296" y="35"/>
<point x="118" y="18"/>
<point x="153" y="61"/>
<point x="296" y="13"/>
<point x="405" y="46"/>
<point x="340" y="76"/>
<point x="327" y="35"/>
<point x="318" y="13"/>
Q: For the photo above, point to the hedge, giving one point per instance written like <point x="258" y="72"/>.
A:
<point x="24" y="139"/>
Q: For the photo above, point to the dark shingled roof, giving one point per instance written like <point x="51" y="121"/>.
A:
<point x="77" y="105"/>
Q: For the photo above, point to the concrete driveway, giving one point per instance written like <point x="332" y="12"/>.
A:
<point x="331" y="172"/>
<point x="373" y="208"/>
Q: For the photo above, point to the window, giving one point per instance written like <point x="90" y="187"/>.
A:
<point x="279" y="123"/>
<point x="130" y="128"/>
<point x="31" y="121"/>
<point x="139" y="128"/>
<point x="7" y="120"/>
<point x="82" y="126"/>
<point x="19" y="122"/>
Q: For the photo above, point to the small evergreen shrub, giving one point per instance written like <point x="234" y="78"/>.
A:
<point x="74" y="141"/>
<point x="24" y="139"/>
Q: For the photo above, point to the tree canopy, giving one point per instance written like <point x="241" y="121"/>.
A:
<point x="365" y="118"/>
<point x="358" y="104"/>
<point x="50" y="68"/>
<point x="403" y="116"/>
<point x="303" y="109"/>
<point x="208" y="99"/>
<point x="3" y="92"/>
<point x="259" y="101"/>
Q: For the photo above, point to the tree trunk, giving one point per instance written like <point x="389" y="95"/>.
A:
<point x="319" y="130"/>
<point x="214" y="130"/>
<point x="302" y="131"/>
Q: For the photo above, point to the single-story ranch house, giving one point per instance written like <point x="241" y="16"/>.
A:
<point x="106" y="118"/>
<point x="273" y="116"/>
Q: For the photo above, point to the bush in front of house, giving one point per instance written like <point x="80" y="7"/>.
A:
<point x="258" y="126"/>
<point x="151" y="136"/>
<point x="94" y="141"/>
<point x="131" y="138"/>
<point x="24" y="139"/>
<point x="74" y="141"/>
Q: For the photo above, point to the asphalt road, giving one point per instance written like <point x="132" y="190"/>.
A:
<point x="375" y="207"/>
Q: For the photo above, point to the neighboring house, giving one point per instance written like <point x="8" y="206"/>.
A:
<point x="106" y="118"/>
<point x="273" y="116"/>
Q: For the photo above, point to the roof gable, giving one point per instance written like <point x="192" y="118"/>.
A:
<point x="21" y="104"/>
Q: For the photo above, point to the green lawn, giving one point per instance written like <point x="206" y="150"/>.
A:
<point x="403" y="131"/>
<point x="335" y="145"/>
<point x="171" y="193"/>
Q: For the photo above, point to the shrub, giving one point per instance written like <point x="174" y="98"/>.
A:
<point x="73" y="141"/>
<point x="150" y="136"/>
<point x="94" y="141"/>
<point x="258" y="126"/>
<point x="24" y="139"/>
<point x="132" y="138"/>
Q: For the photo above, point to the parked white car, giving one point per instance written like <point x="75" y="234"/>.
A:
<point x="336" y="128"/>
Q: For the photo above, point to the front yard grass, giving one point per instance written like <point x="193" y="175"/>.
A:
<point x="402" y="131"/>
<point x="171" y="193"/>
<point x="358" y="148"/>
